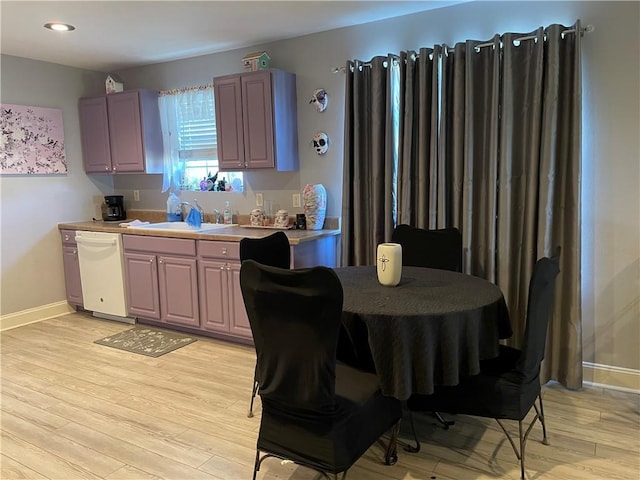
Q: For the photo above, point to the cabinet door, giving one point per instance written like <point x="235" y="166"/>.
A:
<point x="230" y="134"/>
<point x="142" y="285"/>
<point x="125" y="128"/>
<point x="94" y="131"/>
<point x="212" y="276"/>
<point x="238" y="320"/>
<point x="258" y="120"/>
<point x="178" y="284"/>
<point x="72" y="279"/>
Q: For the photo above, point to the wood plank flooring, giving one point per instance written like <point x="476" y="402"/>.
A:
<point x="72" y="409"/>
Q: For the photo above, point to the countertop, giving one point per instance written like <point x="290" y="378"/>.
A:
<point x="228" y="234"/>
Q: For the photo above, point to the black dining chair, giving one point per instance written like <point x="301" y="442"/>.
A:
<point x="509" y="385"/>
<point x="273" y="250"/>
<point x="315" y="412"/>
<point x="441" y="249"/>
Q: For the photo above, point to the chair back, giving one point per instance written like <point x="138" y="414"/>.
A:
<point x="539" y="307"/>
<point x="295" y="317"/>
<point x="441" y="249"/>
<point x="273" y="250"/>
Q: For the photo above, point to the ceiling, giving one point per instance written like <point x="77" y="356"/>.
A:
<point x="115" y="35"/>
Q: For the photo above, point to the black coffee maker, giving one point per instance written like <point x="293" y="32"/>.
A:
<point x="114" y="208"/>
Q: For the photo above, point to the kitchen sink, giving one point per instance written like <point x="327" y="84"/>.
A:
<point x="182" y="227"/>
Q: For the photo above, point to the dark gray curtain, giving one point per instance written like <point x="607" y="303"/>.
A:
<point x="418" y="163"/>
<point x="498" y="157"/>
<point x="370" y="159"/>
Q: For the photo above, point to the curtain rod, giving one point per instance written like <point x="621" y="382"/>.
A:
<point x="587" y="29"/>
<point x="177" y="91"/>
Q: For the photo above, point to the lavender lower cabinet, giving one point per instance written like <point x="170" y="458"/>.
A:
<point x="178" y="282"/>
<point x="143" y="297"/>
<point x="72" y="280"/>
<point x="162" y="279"/>
<point x="221" y="304"/>
<point x="238" y="319"/>
<point x="213" y="281"/>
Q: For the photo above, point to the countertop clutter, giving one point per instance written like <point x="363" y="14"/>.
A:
<point x="229" y="234"/>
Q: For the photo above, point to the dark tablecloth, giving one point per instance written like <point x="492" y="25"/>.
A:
<point x="431" y="329"/>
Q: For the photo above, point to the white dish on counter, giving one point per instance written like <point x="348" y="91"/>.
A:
<point x="182" y="227"/>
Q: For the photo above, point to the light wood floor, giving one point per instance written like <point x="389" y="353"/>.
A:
<point x="72" y="409"/>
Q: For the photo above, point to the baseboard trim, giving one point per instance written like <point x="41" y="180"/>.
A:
<point x="34" y="315"/>
<point x="615" y="378"/>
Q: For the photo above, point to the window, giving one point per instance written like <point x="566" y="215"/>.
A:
<point x="190" y="142"/>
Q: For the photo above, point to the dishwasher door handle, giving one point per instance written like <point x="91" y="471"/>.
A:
<point x="96" y="241"/>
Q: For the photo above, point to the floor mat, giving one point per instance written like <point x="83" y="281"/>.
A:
<point x="146" y="341"/>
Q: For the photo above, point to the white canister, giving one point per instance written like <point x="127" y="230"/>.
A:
<point x="389" y="264"/>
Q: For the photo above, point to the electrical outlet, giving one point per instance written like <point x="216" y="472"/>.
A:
<point x="136" y="195"/>
<point x="259" y="200"/>
<point x="296" y="200"/>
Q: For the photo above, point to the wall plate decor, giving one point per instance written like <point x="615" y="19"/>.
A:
<point x="320" y="99"/>
<point x="321" y="143"/>
<point x="32" y="140"/>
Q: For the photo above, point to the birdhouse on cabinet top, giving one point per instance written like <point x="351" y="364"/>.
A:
<point x="113" y="85"/>
<point x="256" y="61"/>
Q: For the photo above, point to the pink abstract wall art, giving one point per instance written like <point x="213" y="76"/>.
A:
<point x="32" y="141"/>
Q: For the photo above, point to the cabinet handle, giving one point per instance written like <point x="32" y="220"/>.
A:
<point x="151" y="260"/>
<point x="66" y="237"/>
<point x="75" y="252"/>
<point x="224" y="251"/>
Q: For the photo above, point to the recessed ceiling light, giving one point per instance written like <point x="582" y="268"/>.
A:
<point x="59" y="27"/>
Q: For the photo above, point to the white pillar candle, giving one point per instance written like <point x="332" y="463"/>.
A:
<point x="389" y="263"/>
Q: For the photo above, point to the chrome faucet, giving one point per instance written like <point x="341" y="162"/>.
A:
<point x="216" y="213"/>
<point x="195" y="205"/>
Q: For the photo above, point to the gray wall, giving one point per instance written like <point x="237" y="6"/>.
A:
<point x="31" y="207"/>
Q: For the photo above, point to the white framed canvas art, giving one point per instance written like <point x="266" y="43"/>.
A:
<point x="32" y="141"/>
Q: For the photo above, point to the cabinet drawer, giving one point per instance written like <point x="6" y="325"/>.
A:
<point x="175" y="246"/>
<point x="228" y="250"/>
<point x="68" y="237"/>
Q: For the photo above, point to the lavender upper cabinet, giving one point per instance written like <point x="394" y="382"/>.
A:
<point x="121" y="132"/>
<point x="257" y="121"/>
<point x="71" y="266"/>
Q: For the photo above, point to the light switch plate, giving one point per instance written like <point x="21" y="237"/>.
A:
<point x="259" y="200"/>
<point x="136" y="195"/>
<point x="296" y="200"/>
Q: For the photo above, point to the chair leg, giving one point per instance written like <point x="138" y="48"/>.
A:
<point x="545" y="440"/>
<point x="522" y="444"/>
<point x="409" y="448"/>
<point x="445" y="423"/>
<point x="253" y="396"/>
<point x="391" y="455"/>
<point x="256" y="465"/>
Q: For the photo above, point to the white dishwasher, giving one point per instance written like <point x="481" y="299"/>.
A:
<point x="101" y="259"/>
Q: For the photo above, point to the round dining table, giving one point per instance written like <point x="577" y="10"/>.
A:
<point x="431" y="329"/>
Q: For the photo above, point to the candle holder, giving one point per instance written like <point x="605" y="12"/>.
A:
<point x="389" y="264"/>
